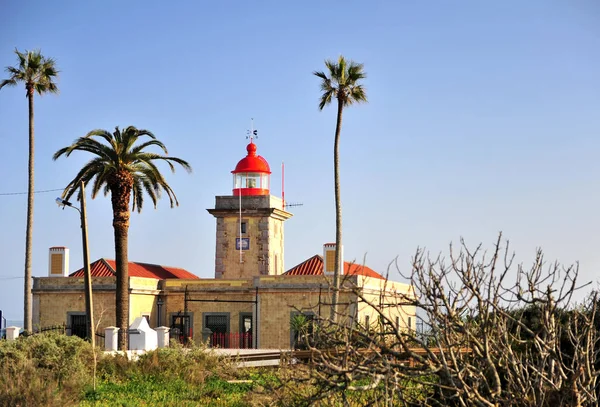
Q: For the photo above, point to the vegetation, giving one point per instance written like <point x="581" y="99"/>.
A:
<point x="534" y="349"/>
<point x="489" y="339"/>
<point x="38" y="74"/>
<point x="55" y="370"/>
<point x="341" y="82"/>
<point x="126" y="170"/>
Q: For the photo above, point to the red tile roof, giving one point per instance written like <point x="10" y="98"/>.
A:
<point x="314" y="267"/>
<point x="107" y="267"/>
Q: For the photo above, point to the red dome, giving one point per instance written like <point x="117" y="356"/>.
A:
<point x="252" y="162"/>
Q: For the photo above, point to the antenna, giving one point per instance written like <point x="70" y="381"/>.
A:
<point x="283" y="203"/>
<point x="293" y="204"/>
<point x="252" y="133"/>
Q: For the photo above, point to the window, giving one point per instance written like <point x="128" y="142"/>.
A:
<point x="245" y="330"/>
<point x="243" y="228"/>
<point x="329" y="261"/>
<point x="218" y="323"/>
<point x="397" y="324"/>
<point x="409" y="323"/>
<point x="302" y="325"/>
<point x="367" y="322"/>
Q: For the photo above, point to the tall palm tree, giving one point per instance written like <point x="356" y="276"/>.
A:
<point x="342" y="83"/>
<point x="38" y="74"/>
<point x="125" y="170"/>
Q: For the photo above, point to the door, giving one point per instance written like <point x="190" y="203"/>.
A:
<point x="78" y="326"/>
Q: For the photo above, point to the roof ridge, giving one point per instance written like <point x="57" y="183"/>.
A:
<point x="157" y="265"/>
<point x="305" y="261"/>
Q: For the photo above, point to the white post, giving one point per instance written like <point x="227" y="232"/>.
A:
<point x="162" y="333"/>
<point x="111" y="338"/>
<point x="12" y="333"/>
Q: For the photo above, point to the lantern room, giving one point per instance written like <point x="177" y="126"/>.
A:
<point x="252" y="174"/>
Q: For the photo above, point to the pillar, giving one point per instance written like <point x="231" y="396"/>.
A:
<point x="111" y="338"/>
<point x="12" y="333"/>
<point x="162" y="336"/>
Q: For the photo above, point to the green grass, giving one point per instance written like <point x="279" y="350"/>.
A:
<point x="143" y="390"/>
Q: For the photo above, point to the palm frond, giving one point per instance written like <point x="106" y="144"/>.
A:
<point x="326" y="99"/>
<point x="119" y="154"/>
<point x="342" y="82"/>
<point x="109" y="137"/>
<point x="35" y="70"/>
<point x="137" y="195"/>
<point x="149" y="143"/>
<point x="8" y="82"/>
<point x="358" y="94"/>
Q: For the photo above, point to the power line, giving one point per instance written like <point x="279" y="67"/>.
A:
<point x="35" y="192"/>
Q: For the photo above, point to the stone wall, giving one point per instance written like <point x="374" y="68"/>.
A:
<point x="52" y="308"/>
<point x="279" y="298"/>
<point x="264" y="232"/>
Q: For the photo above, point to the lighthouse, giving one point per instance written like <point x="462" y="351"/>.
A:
<point x="249" y="222"/>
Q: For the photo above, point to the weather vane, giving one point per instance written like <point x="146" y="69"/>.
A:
<point x="252" y="133"/>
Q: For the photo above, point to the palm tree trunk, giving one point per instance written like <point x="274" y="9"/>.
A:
<point x="120" y="195"/>
<point x="339" y="263"/>
<point x="122" y="294"/>
<point x="27" y="314"/>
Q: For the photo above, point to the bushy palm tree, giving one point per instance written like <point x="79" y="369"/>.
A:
<point x="38" y="74"/>
<point x="126" y="170"/>
<point x="341" y="82"/>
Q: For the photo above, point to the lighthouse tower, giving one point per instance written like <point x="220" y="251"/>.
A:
<point x="249" y="222"/>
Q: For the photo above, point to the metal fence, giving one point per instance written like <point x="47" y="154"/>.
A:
<point x="62" y="329"/>
<point x="231" y="340"/>
<point x="100" y="342"/>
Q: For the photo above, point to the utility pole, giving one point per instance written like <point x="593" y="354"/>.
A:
<point x="89" y="306"/>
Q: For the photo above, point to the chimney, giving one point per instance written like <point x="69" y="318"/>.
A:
<point x="329" y="259"/>
<point x="58" y="262"/>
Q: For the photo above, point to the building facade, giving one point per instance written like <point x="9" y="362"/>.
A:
<point x="251" y="302"/>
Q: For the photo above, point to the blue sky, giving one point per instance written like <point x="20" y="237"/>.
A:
<point x="482" y="117"/>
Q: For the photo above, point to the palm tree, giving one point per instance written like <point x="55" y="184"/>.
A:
<point x="38" y="74"/>
<point x="342" y="83"/>
<point x="126" y="171"/>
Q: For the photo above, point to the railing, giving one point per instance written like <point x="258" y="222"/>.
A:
<point x="231" y="340"/>
<point x="62" y="329"/>
<point x="100" y="340"/>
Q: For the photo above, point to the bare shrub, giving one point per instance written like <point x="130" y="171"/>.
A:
<point x="494" y="334"/>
